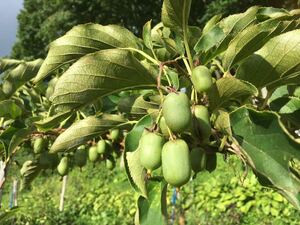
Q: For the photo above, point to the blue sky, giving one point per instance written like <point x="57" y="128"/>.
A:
<point x="9" y="10"/>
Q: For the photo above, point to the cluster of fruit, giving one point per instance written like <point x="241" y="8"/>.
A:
<point x="104" y="150"/>
<point x="179" y="116"/>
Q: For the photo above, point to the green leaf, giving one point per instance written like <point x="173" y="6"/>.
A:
<point x="152" y="210"/>
<point x="18" y="76"/>
<point x="84" y="130"/>
<point x="211" y="23"/>
<point x="6" y="64"/>
<point x="222" y="122"/>
<point x="136" y="106"/>
<point x="29" y="171"/>
<point x="134" y="170"/>
<point x="18" y="138"/>
<point x="147" y="35"/>
<point x="288" y="108"/>
<point x="275" y="64"/>
<point x="216" y="40"/>
<point x="53" y="121"/>
<point x="175" y="14"/>
<point x="82" y="40"/>
<point x="10" y="110"/>
<point x="268" y="149"/>
<point x="253" y="38"/>
<point x="100" y="74"/>
<point x="227" y="89"/>
<point x="278" y="93"/>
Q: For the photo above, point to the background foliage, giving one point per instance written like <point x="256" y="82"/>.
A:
<point x="41" y="22"/>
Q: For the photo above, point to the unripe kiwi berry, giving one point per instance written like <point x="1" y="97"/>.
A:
<point x="201" y="79"/>
<point x="176" y="111"/>
<point x="150" y="146"/>
<point x="176" y="164"/>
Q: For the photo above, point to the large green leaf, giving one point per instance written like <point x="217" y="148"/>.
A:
<point x="152" y="210"/>
<point x="18" y="76"/>
<point x="82" y="40"/>
<point x="229" y="89"/>
<point x="134" y="170"/>
<point x="268" y="149"/>
<point x="275" y="64"/>
<point x="84" y="130"/>
<point x="100" y="74"/>
<point x="288" y="108"/>
<point x="216" y="40"/>
<point x="6" y="64"/>
<point x="175" y="14"/>
<point x="9" y="109"/>
<point x="253" y="38"/>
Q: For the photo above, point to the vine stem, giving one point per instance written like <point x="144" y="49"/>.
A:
<point x="185" y="39"/>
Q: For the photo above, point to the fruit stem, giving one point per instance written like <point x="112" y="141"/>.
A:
<point x="187" y="66"/>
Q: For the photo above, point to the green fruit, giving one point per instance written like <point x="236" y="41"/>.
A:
<point x="201" y="79"/>
<point x="163" y="127"/>
<point x="110" y="164"/>
<point x="176" y="164"/>
<point x="93" y="154"/>
<point x="80" y="157"/>
<point x="198" y="159"/>
<point x="63" y="166"/>
<point x="40" y="145"/>
<point x="114" y="134"/>
<point x="176" y="111"/>
<point x="101" y="146"/>
<point x="150" y="150"/>
<point x="203" y="123"/>
<point x="45" y="160"/>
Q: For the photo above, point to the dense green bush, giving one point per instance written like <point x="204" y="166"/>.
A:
<point x="96" y="194"/>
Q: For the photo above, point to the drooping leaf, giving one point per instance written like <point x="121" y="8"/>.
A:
<point x="136" y="106"/>
<point x="10" y="110"/>
<point x="253" y="38"/>
<point x="52" y="122"/>
<point x="152" y="210"/>
<point x="134" y="170"/>
<point x="175" y="14"/>
<point x="18" y="76"/>
<point x="29" y="171"/>
<point x="84" y="130"/>
<point x="227" y="89"/>
<point x="288" y="108"/>
<point x="6" y="64"/>
<point x="81" y="40"/>
<point x="275" y="64"/>
<point x="147" y="35"/>
<point x="100" y="74"/>
<point x="18" y="138"/>
<point x="268" y="149"/>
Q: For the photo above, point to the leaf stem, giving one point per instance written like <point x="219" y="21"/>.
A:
<point x="156" y="62"/>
